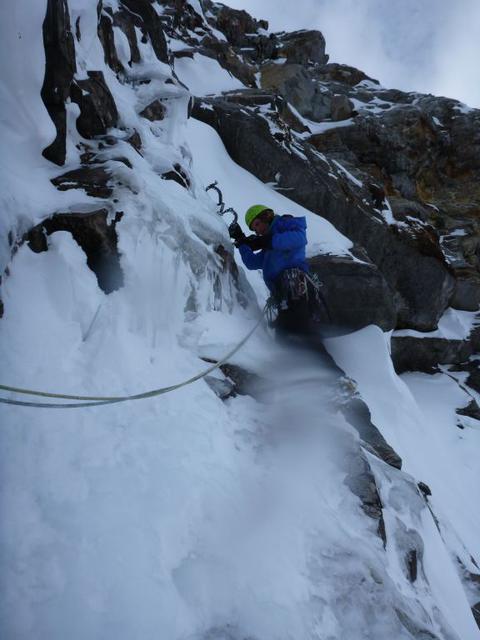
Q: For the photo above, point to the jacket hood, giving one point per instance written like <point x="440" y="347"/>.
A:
<point x="289" y="223"/>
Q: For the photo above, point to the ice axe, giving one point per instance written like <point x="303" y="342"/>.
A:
<point x="221" y="204"/>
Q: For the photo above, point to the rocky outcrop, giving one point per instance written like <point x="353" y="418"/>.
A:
<point x="293" y="83"/>
<point x="94" y="179"/>
<point x="143" y="13"/>
<point x="411" y="353"/>
<point x="426" y="154"/>
<point x="361" y="481"/>
<point x="302" y="47"/>
<point x="357" y="413"/>
<point x="95" y="234"/>
<point x="98" y="111"/>
<point x="60" y="66"/>
<point x="154" y="111"/>
<point x="355" y="294"/>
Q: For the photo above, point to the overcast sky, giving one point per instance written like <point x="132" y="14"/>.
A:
<point x="432" y="46"/>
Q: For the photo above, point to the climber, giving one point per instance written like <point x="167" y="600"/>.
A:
<point x="278" y="248"/>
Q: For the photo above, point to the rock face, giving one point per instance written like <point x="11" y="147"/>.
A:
<point x="426" y="152"/>
<point x="357" y="413"/>
<point x="410" y="259"/>
<point x="98" y="111"/>
<point x="361" y="482"/>
<point x="95" y="235"/>
<point x="425" y="354"/>
<point x="60" y="66"/>
<point x="355" y="293"/>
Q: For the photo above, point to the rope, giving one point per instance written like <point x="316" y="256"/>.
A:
<point x="95" y="401"/>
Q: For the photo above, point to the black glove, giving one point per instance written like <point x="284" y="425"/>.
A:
<point x="259" y="242"/>
<point x="237" y="234"/>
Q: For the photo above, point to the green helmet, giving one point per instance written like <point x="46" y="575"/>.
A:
<point x="253" y="212"/>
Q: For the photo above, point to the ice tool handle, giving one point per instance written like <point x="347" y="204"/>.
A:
<point x="221" y="204"/>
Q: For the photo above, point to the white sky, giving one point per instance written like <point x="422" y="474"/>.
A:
<point x="431" y="46"/>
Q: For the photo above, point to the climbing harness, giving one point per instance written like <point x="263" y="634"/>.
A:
<point x="94" y="401"/>
<point x="293" y="286"/>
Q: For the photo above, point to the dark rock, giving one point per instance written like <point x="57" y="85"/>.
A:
<point x="302" y="47"/>
<point x="355" y="293"/>
<point x="127" y="21"/>
<point x="467" y="293"/>
<point x="357" y="413"/>
<point x="244" y="382"/>
<point x="227" y="58"/>
<point x="235" y="24"/>
<point x="476" y="613"/>
<point x="410" y="353"/>
<point x="361" y="481"/>
<point x="252" y="97"/>
<point x="154" y="111"/>
<point x="136" y="141"/>
<point x="472" y="410"/>
<point x="424" y="488"/>
<point x="474" y="337"/>
<point x="472" y="367"/>
<point x="411" y="565"/>
<point x="151" y="24"/>
<point x="293" y="83"/>
<point x="106" y="37"/>
<point x="404" y="209"/>
<point x="398" y="140"/>
<point x="93" y="179"/>
<point x="184" y="53"/>
<point x="181" y="19"/>
<point x="265" y="48"/>
<point x="60" y="67"/>
<point x="341" y="108"/>
<point x="98" y="111"/>
<point x="412" y="264"/>
<point x="422" y="149"/>
<point x="342" y="73"/>
<point x="96" y="237"/>
<point x="224" y="389"/>
<point x="179" y="175"/>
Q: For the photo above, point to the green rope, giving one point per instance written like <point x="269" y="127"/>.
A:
<point x="95" y="401"/>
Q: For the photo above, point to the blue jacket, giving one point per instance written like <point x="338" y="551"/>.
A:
<point x="289" y="240"/>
